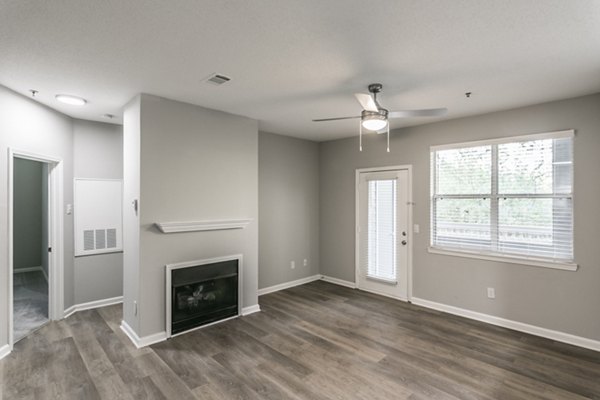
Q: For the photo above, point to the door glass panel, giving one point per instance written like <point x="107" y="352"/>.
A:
<point x="381" y="258"/>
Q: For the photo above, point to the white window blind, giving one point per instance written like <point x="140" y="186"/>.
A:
<point x="381" y="253"/>
<point x="511" y="197"/>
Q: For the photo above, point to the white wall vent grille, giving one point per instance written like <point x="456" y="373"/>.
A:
<point x="111" y="238"/>
<point x="100" y="239"/>
<point x="98" y="216"/>
<point x="88" y="240"/>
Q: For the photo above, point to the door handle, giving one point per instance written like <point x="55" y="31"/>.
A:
<point x="404" y="243"/>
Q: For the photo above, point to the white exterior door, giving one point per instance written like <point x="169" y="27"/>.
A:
<point x="383" y="235"/>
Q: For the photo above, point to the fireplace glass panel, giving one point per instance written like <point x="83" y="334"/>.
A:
<point x="203" y="294"/>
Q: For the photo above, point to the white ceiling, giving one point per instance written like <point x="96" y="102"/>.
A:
<point x="292" y="61"/>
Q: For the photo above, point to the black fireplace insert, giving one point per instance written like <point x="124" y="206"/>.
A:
<point x="203" y="294"/>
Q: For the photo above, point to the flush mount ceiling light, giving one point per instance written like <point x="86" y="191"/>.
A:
<point x="375" y="118"/>
<point x="71" y="100"/>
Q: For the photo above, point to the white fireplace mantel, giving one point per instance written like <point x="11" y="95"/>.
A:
<point x="194" y="226"/>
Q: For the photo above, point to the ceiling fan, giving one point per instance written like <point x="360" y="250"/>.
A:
<point x="375" y="118"/>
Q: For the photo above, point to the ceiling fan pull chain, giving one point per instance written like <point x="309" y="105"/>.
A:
<point x="360" y="134"/>
<point x="388" y="137"/>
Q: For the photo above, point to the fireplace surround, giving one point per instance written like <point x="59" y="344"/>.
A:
<point x="202" y="292"/>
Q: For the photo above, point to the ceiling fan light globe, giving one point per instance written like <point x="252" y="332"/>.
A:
<point x="374" y="124"/>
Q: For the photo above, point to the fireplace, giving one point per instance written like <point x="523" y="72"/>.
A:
<point x="202" y="292"/>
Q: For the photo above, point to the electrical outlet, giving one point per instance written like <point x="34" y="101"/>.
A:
<point x="305" y="262"/>
<point x="416" y="228"/>
<point x="293" y="264"/>
<point x="491" y="293"/>
<point x="69" y="209"/>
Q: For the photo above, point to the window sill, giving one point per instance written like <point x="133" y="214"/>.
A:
<point x="565" y="266"/>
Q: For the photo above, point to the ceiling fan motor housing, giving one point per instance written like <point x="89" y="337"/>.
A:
<point x="381" y="114"/>
<point x="375" y="87"/>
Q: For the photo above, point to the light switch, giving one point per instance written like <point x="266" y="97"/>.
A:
<point x="416" y="228"/>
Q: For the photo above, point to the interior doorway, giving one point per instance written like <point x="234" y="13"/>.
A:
<point x="35" y="242"/>
<point x="30" y="246"/>
<point x="383" y="234"/>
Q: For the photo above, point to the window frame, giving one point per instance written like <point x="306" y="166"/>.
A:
<point x="494" y="196"/>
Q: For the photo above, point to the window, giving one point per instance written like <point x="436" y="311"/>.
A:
<point x="382" y="229"/>
<point x="509" y="197"/>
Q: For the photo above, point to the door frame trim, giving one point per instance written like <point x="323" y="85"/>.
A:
<point x="55" y="234"/>
<point x="408" y="168"/>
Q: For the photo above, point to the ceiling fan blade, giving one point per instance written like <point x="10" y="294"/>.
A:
<point x="333" y="119"/>
<point x="366" y="101"/>
<point x="431" y="112"/>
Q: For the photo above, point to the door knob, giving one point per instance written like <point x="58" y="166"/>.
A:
<point x="404" y="243"/>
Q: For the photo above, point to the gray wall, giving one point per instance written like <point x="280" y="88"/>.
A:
<point x="196" y="164"/>
<point x="288" y="198"/>
<point x="27" y="228"/>
<point x="98" y="154"/>
<point x="28" y="126"/>
<point x="25" y="125"/>
<point x="554" y="299"/>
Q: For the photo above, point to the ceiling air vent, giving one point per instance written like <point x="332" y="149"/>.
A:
<point x="217" y="79"/>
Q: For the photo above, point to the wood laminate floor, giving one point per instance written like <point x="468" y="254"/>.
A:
<point x="316" y="341"/>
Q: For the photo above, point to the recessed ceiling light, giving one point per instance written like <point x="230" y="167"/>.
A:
<point x="71" y="100"/>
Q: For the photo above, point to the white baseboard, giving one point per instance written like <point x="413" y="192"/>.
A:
<point x="70" y="311"/>
<point x="287" y="285"/>
<point x="135" y="339"/>
<point x="303" y="281"/>
<point x="506" y="323"/>
<point x="250" y="310"/>
<point x="92" y="304"/>
<point x="27" y="269"/>
<point x="4" y="351"/>
<point x="140" y="342"/>
<point x="337" y="281"/>
<point x="31" y="269"/>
